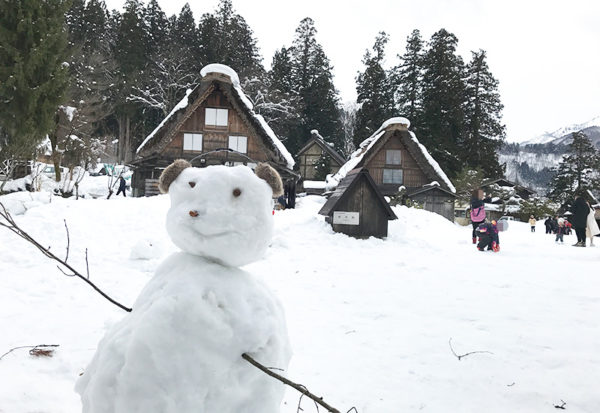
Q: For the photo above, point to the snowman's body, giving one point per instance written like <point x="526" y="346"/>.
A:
<point x="180" y="348"/>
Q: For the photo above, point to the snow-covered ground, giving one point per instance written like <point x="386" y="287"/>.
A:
<point x="369" y="320"/>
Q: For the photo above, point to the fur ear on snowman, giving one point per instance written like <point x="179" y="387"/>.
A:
<point x="263" y="170"/>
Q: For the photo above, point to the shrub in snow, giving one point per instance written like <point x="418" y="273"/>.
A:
<point x="180" y="348"/>
<point x="145" y="249"/>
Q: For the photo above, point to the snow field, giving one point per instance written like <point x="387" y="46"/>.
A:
<point x="369" y="320"/>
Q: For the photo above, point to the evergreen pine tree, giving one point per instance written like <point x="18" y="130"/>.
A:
<point x="443" y="101"/>
<point x="313" y="82"/>
<point x="322" y="167"/>
<point x="578" y="171"/>
<point x="484" y="131"/>
<point x="33" y="72"/>
<point x="375" y="95"/>
<point x="407" y="81"/>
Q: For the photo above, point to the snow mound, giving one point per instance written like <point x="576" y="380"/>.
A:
<point x="222" y="69"/>
<point x="18" y="203"/>
<point x="146" y="249"/>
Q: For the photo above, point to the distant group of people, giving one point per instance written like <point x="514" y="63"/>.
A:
<point x="558" y="226"/>
<point x="582" y="221"/>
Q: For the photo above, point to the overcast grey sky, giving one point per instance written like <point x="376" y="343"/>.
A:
<point x="546" y="54"/>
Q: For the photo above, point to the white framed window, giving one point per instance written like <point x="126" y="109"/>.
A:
<point x="216" y="117"/>
<point x="238" y="143"/>
<point x="393" y="157"/>
<point x="392" y="176"/>
<point x="192" y="142"/>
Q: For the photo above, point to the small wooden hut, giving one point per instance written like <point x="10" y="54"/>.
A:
<point x="214" y="124"/>
<point x="357" y="207"/>
<point x="395" y="158"/>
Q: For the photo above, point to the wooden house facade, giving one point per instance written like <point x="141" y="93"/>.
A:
<point x="214" y="124"/>
<point x="395" y="158"/>
<point x="312" y="152"/>
<point x="357" y="207"/>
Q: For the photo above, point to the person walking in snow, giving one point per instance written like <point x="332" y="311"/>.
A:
<point x="591" y="229"/>
<point x="122" y="186"/>
<point x="580" y="212"/>
<point x="532" y="222"/>
<point x="478" y="210"/>
<point x="560" y="231"/>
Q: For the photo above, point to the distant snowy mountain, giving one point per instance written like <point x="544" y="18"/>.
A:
<point x="559" y="136"/>
<point x="530" y="163"/>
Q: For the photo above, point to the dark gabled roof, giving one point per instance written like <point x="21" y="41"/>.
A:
<point x="427" y="188"/>
<point x="315" y="137"/>
<point x="347" y="184"/>
<point x="229" y="85"/>
<point x="373" y="144"/>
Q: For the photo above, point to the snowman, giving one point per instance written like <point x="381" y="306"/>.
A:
<point x="180" y="349"/>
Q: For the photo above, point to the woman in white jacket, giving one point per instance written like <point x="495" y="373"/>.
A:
<point x="591" y="229"/>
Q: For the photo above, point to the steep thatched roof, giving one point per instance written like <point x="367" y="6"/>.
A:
<point x="214" y="77"/>
<point x="373" y="144"/>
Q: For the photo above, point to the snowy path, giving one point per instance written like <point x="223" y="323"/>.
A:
<point x="369" y="320"/>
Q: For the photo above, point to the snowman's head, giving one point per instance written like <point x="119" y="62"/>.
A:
<point x="219" y="212"/>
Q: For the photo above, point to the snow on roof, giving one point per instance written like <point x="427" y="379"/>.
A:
<point x="278" y="144"/>
<point x="222" y="69"/>
<point x="355" y="159"/>
<point x="433" y="163"/>
<point x="181" y="105"/>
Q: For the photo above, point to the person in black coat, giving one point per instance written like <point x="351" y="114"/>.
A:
<point x="548" y="224"/>
<point x="580" y="210"/>
<point x="122" y="186"/>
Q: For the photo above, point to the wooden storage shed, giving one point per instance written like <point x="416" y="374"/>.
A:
<point x="214" y="124"/>
<point x="357" y="207"/>
<point x="435" y="199"/>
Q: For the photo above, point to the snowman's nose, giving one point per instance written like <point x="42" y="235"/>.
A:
<point x="194" y="213"/>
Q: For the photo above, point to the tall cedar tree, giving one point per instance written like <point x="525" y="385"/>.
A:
<point x="92" y="70"/>
<point x="407" y="81"/>
<point x="313" y="83"/>
<point x="226" y="38"/>
<point x="579" y="170"/>
<point x="131" y="51"/>
<point x="33" y="72"/>
<point x="484" y="130"/>
<point x="443" y="101"/>
<point x="375" y="95"/>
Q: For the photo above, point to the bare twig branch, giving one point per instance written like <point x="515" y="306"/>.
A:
<point x="68" y="240"/>
<point x="13" y="227"/>
<point x="298" y="387"/>
<point x="33" y="349"/>
<point x="466" y="354"/>
<point x="562" y="406"/>
<point x="87" y="264"/>
<point x="352" y="409"/>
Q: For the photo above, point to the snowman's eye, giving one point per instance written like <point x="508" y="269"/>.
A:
<point x="192" y="184"/>
<point x="237" y="192"/>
